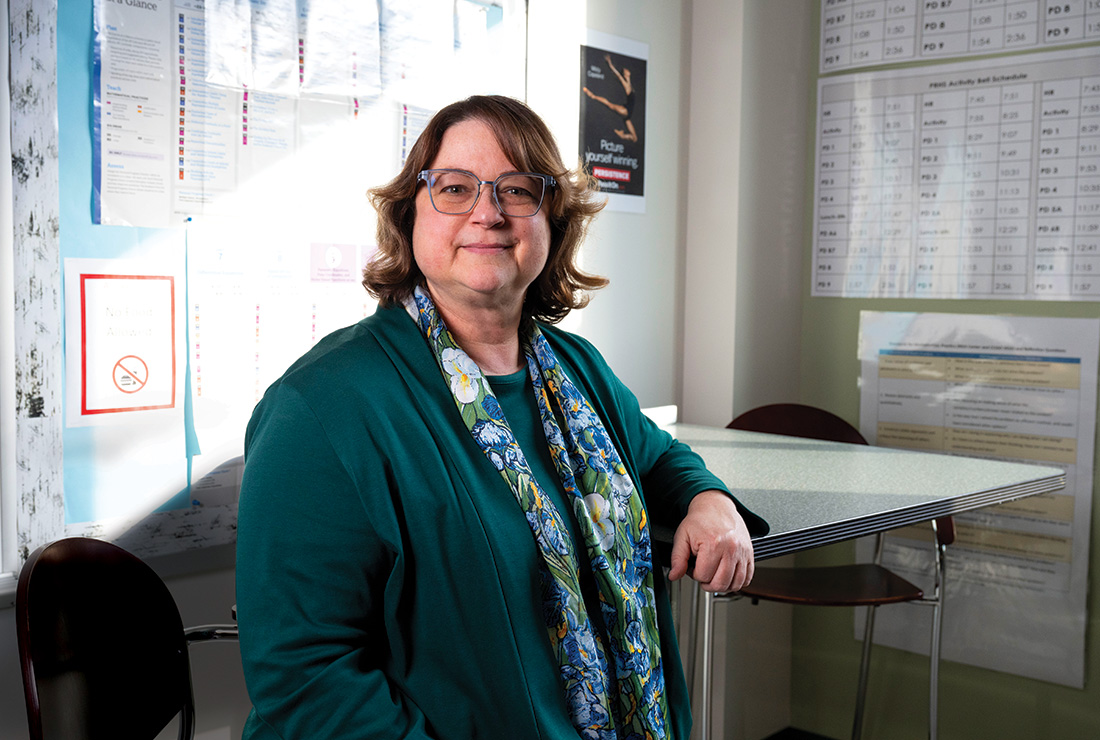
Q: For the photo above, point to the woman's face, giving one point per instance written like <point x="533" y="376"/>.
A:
<point x="480" y="259"/>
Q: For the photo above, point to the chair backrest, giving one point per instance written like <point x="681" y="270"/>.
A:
<point x="800" y="420"/>
<point x="101" y="645"/>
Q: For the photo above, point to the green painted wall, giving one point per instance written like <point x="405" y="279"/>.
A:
<point x="975" y="704"/>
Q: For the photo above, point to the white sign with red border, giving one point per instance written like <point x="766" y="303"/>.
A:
<point x="122" y="335"/>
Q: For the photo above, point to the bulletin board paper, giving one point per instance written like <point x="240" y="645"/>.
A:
<point x="1011" y="388"/>
<point x="286" y="289"/>
<point x="194" y="100"/>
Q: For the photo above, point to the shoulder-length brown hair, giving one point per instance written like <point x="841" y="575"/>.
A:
<point x="392" y="274"/>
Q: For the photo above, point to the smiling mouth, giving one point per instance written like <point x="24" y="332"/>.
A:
<point x="486" y="247"/>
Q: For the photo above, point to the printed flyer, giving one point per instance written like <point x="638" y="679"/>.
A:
<point x="612" y="118"/>
<point x="1013" y="388"/>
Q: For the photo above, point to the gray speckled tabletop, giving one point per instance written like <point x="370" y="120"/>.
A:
<point x="815" y="493"/>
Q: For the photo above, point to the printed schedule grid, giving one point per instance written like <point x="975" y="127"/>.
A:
<point x="860" y="33"/>
<point x="979" y="185"/>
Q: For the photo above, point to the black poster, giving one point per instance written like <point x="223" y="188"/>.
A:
<point x="613" y="120"/>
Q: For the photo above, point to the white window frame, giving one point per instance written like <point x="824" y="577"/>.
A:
<point x="8" y="552"/>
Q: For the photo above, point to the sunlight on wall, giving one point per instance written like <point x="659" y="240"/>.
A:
<point x="556" y="30"/>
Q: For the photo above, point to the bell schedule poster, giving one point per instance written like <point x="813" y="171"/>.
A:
<point x="975" y="180"/>
<point x="860" y="33"/>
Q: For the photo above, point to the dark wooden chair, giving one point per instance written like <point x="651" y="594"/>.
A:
<point x="102" y="647"/>
<point x="861" y="584"/>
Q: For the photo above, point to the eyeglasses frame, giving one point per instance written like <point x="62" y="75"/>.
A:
<point x="548" y="181"/>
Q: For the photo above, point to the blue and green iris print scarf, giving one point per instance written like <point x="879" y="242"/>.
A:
<point x="615" y="692"/>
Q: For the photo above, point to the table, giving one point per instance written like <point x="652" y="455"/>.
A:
<point x="817" y="493"/>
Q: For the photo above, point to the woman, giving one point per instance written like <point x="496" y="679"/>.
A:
<point x="444" y="517"/>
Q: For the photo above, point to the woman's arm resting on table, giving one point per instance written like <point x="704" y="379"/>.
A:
<point x="680" y="492"/>
<point x="715" y="534"/>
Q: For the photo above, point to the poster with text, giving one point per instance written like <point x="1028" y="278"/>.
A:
<point x="612" y="117"/>
<point x="977" y="180"/>
<point x="124" y="345"/>
<point x="1014" y="388"/>
<point x="256" y="109"/>
<point x="125" y="355"/>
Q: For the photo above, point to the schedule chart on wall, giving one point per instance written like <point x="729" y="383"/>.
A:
<point x="1014" y="388"/>
<point x="976" y="180"/>
<point x="860" y="33"/>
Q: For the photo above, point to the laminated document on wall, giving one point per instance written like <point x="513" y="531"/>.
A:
<point x="196" y="102"/>
<point x="194" y="99"/>
<point x="974" y="180"/>
<point x="860" y="33"/>
<point x="125" y="356"/>
<point x="1005" y="387"/>
<point x="286" y="289"/>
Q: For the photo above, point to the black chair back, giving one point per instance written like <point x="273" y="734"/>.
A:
<point x="798" y="420"/>
<point x="101" y="645"/>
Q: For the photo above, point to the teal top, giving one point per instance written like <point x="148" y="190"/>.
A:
<point x="516" y="396"/>
<point x="387" y="581"/>
<point x="517" y="400"/>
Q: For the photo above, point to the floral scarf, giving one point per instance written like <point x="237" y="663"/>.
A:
<point x="617" y="691"/>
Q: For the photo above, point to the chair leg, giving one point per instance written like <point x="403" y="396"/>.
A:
<point x="864" y="669"/>
<point x="934" y="670"/>
<point x="187" y="722"/>
<point x="708" y="646"/>
<point x="692" y="630"/>
<point x="937" y="602"/>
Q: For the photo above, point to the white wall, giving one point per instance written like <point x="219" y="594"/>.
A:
<point x="706" y="286"/>
<point x="714" y="126"/>
<point x="635" y="322"/>
<point x="778" y="54"/>
<point x="750" y="98"/>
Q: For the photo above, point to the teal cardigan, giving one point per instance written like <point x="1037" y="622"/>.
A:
<point x="386" y="578"/>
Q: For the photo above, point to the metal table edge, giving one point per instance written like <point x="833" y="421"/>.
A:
<point x="770" y="546"/>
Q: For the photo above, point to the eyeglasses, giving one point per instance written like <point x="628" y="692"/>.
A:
<point x="517" y="194"/>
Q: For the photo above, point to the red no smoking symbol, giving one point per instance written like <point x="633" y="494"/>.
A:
<point x="131" y="374"/>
